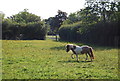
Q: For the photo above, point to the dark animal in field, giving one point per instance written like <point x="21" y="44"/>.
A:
<point x="87" y="50"/>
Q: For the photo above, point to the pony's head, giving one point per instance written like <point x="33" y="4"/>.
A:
<point x="69" y="47"/>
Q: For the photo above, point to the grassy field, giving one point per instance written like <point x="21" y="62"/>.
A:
<point x="47" y="59"/>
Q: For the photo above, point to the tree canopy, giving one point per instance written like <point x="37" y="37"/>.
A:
<point x="56" y="22"/>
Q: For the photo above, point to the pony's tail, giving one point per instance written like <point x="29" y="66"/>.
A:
<point x="91" y="51"/>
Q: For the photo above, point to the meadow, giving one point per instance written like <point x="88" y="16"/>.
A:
<point x="47" y="59"/>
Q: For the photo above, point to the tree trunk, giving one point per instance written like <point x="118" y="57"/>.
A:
<point x="56" y="38"/>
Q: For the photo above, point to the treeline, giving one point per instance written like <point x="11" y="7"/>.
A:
<point x="97" y="23"/>
<point x="23" y="26"/>
<point x="28" y="26"/>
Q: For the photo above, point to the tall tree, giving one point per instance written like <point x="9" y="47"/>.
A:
<point x="56" y="22"/>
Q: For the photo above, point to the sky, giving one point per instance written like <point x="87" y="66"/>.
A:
<point x="43" y="8"/>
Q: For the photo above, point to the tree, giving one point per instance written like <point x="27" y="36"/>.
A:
<point x="72" y="18"/>
<point x="24" y="17"/>
<point x="56" y="22"/>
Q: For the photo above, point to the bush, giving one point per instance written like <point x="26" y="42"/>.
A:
<point x="70" y="32"/>
<point x="10" y="30"/>
<point x="35" y="30"/>
<point x="96" y="33"/>
<point x="24" y="25"/>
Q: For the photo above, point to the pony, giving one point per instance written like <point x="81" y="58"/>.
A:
<point x="87" y="50"/>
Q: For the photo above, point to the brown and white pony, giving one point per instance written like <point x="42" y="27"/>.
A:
<point x="80" y="50"/>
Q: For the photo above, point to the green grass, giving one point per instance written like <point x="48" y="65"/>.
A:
<point x="47" y="59"/>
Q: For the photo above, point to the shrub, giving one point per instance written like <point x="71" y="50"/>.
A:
<point x="70" y="32"/>
<point x="24" y="25"/>
<point x="96" y="33"/>
<point x="35" y="30"/>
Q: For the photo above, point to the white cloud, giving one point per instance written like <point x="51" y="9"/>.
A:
<point x="43" y="8"/>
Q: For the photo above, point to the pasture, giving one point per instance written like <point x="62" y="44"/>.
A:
<point x="47" y="59"/>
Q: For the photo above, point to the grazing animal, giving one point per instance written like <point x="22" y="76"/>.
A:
<point x="80" y="50"/>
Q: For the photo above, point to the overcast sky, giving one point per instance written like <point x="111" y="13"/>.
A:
<point x="43" y="8"/>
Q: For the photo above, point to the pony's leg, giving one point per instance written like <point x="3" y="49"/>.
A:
<point x="91" y="60"/>
<point x="90" y="56"/>
<point x="77" y="57"/>
<point x="72" y="56"/>
<point x="86" y="57"/>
